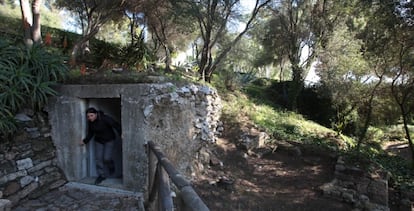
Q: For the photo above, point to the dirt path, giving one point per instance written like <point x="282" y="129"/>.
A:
<point x="279" y="181"/>
<point x="399" y="148"/>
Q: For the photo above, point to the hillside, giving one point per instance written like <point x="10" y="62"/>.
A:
<point x="284" y="178"/>
<point x="280" y="180"/>
<point x="287" y="177"/>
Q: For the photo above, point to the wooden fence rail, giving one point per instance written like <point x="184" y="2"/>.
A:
<point x="161" y="171"/>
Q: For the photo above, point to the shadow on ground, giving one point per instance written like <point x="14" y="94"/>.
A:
<point x="278" y="181"/>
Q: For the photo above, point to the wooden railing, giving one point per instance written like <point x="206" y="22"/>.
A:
<point x="161" y="172"/>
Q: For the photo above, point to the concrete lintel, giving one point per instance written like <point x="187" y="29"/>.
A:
<point x="108" y="90"/>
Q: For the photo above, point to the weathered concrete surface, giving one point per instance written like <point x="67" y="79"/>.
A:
<point x="77" y="196"/>
<point x="45" y="154"/>
<point x="179" y="119"/>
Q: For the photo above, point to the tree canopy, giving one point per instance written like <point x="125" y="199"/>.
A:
<point x="92" y="15"/>
<point x="362" y="51"/>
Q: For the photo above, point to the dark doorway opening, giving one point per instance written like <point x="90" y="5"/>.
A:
<point x="112" y="108"/>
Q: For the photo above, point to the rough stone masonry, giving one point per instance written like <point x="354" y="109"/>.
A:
<point x="28" y="166"/>
<point x="45" y="153"/>
<point x="179" y="119"/>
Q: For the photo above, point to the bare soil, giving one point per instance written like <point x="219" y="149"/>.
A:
<point x="277" y="181"/>
<point x="399" y="148"/>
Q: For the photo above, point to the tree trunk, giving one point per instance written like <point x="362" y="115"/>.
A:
<point x="207" y="65"/>
<point x="76" y="49"/>
<point x="167" y="58"/>
<point x="36" y="34"/>
<point x="79" y="45"/>
<point x="132" y="28"/>
<point x="295" y="87"/>
<point x="368" y="118"/>
<point x="27" y="22"/>
<point x="407" y="133"/>
<point x="205" y="54"/>
<point x="31" y="22"/>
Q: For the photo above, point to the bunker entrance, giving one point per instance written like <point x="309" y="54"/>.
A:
<point x="112" y="108"/>
<point x="125" y="103"/>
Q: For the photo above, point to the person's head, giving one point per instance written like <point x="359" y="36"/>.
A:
<point x="91" y="114"/>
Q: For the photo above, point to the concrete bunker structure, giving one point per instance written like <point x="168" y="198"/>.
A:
<point x="179" y="119"/>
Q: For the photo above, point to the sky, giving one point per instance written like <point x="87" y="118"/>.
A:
<point x="248" y="4"/>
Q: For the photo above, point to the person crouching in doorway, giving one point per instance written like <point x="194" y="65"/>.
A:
<point x="101" y="127"/>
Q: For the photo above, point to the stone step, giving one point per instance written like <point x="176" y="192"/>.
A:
<point x="115" y="192"/>
<point x="5" y="205"/>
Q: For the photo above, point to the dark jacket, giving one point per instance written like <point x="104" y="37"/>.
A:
<point x="102" y="129"/>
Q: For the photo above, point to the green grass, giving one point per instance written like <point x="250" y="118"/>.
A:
<point x="47" y="17"/>
<point x="10" y="11"/>
<point x="281" y="124"/>
<point x="292" y="127"/>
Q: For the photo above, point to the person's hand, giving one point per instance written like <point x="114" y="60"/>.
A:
<point x="82" y="143"/>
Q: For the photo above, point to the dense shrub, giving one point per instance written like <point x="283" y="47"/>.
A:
<point x="136" y="54"/>
<point x="26" y="77"/>
<point x="131" y="55"/>
<point x="104" y="51"/>
<point x="316" y="106"/>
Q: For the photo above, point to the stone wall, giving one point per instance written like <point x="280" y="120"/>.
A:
<point x="181" y="122"/>
<point x="365" y="190"/>
<point x="28" y="161"/>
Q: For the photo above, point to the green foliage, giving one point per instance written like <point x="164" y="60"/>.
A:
<point x="351" y="143"/>
<point x="115" y="32"/>
<point x="26" y="77"/>
<point x="102" y="50"/>
<point x="131" y="55"/>
<point x="136" y="53"/>
<point x="368" y="158"/>
<point x="401" y="173"/>
<point x="7" y="122"/>
<point x="282" y="125"/>
<point x="13" y="34"/>
<point x="374" y="133"/>
<point x="343" y="72"/>
<point x="292" y="127"/>
<point x="10" y="10"/>
<point x="371" y="156"/>
<point x="316" y="106"/>
<point x="233" y="80"/>
<point x="269" y="93"/>
<point x="259" y="93"/>
<point x="395" y="133"/>
<point x="49" y="18"/>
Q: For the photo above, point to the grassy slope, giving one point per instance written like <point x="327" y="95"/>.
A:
<point x="293" y="127"/>
<point x="279" y="123"/>
<point x="13" y="14"/>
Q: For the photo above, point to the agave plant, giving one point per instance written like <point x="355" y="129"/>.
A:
<point x="26" y="77"/>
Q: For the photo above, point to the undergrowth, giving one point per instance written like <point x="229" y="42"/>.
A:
<point x="26" y="79"/>
<point x="281" y="124"/>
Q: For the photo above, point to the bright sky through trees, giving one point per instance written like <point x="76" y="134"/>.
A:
<point x="247" y="7"/>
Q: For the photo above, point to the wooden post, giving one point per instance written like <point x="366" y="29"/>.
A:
<point x="165" y="202"/>
<point x="190" y="197"/>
